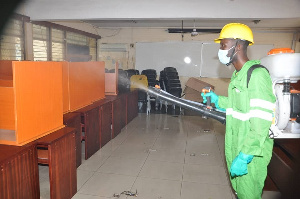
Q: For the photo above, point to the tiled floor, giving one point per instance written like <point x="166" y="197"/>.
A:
<point x="159" y="156"/>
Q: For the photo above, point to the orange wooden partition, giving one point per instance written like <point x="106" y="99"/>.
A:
<point x="111" y="82"/>
<point x="6" y="70"/>
<point x="65" y="86"/>
<point x="86" y="83"/>
<point x="31" y="105"/>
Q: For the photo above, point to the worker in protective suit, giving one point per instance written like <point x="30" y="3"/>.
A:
<point x="249" y="113"/>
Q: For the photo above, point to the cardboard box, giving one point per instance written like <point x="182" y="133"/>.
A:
<point x="192" y="91"/>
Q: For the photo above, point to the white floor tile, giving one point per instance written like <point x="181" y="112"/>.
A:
<point x="131" y="151"/>
<point x="82" y="177"/>
<point x="191" y="190"/>
<point x="156" y="188"/>
<point x="162" y="170"/>
<point x="204" y="153"/>
<point x="141" y="139"/>
<point x="106" y="150"/>
<point x="205" y="174"/>
<point x="106" y="185"/>
<point x="167" y="155"/>
<point x="124" y="166"/>
<point x="93" y="163"/>
<point x="84" y="196"/>
<point x="170" y="143"/>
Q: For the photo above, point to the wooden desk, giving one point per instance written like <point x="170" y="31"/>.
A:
<point x="74" y="120"/>
<point x="124" y="110"/>
<point x="19" y="174"/>
<point x="132" y="105"/>
<point x="105" y="116"/>
<point x="58" y="151"/>
<point x="106" y="123"/>
<point x="91" y="128"/>
<point x="117" y="113"/>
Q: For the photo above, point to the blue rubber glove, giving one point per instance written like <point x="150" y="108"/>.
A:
<point x="239" y="164"/>
<point x="214" y="98"/>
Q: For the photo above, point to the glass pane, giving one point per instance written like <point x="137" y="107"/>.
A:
<point x="58" y="35"/>
<point x="12" y="42"/>
<point x="40" y="43"/>
<point x="58" y="45"/>
<point x="74" y="38"/>
<point x="93" y="48"/>
<point x="40" y="50"/>
<point x="58" y="50"/>
<point x="40" y="32"/>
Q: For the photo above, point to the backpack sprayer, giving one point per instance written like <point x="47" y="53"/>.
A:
<point x="284" y="68"/>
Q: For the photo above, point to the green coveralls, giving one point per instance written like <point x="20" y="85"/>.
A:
<point x="248" y="119"/>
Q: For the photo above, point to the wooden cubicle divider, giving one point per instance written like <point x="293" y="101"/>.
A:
<point x="111" y="82"/>
<point x="86" y="83"/>
<point x="6" y="74"/>
<point x="30" y="100"/>
<point x="65" y="86"/>
<point x="6" y="70"/>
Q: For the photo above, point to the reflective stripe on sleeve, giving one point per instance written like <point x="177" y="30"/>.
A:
<point x="262" y="104"/>
<point x="252" y="114"/>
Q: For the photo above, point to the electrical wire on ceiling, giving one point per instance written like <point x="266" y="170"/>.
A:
<point x="117" y="31"/>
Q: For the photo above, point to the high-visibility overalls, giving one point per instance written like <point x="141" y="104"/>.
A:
<point x="248" y="119"/>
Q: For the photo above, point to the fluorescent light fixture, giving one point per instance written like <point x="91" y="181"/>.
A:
<point x="187" y="60"/>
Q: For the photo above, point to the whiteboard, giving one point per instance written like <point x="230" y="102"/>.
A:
<point x="158" y="55"/>
<point x="203" y="56"/>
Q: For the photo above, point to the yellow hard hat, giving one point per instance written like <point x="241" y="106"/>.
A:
<point x="236" y="31"/>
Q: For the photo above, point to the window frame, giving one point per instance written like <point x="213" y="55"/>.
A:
<point x="65" y="29"/>
<point x="23" y="19"/>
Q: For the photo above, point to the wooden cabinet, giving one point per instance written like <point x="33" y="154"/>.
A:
<point x="19" y="174"/>
<point x="74" y="120"/>
<point x="117" y="116"/>
<point x="58" y="151"/>
<point x="132" y="105"/>
<point x="91" y="129"/>
<point x="106" y="122"/>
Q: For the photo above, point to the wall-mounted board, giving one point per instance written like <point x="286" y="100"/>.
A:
<point x="191" y="59"/>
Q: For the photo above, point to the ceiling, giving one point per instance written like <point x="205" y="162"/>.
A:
<point x="199" y="23"/>
<point x="270" y="14"/>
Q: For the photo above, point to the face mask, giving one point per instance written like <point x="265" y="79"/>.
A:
<point x="222" y="54"/>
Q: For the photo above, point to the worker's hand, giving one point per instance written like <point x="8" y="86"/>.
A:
<point x="239" y="164"/>
<point x="214" y="98"/>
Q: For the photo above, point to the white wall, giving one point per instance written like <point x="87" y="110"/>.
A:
<point x="129" y="36"/>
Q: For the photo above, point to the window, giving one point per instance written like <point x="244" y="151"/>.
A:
<point x="82" y="45"/>
<point x="40" y="43"/>
<point x="58" y="44"/>
<point x="93" y="48"/>
<point x="12" y="41"/>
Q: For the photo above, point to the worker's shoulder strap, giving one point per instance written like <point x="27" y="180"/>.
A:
<point x="250" y="70"/>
